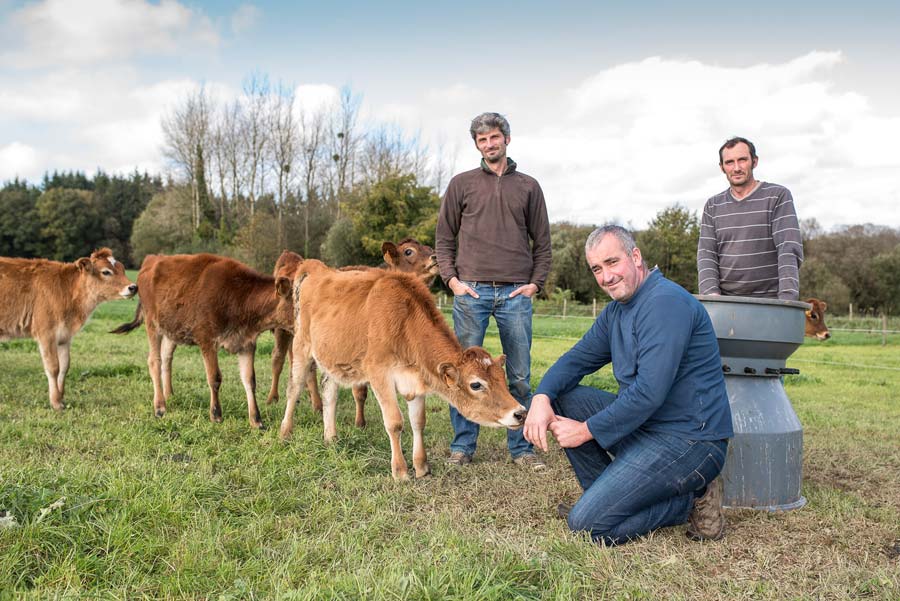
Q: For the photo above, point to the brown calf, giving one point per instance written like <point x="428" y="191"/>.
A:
<point x="815" y="320"/>
<point x="384" y="328"/>
<point x="208" y="301"/>
<point x="407" y="256"/>
<point x="50" y="302"/>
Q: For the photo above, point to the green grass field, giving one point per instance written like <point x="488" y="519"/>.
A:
<point x="179" y="507"/>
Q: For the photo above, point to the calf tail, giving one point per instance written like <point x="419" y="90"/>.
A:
<point x="134" y="324"/>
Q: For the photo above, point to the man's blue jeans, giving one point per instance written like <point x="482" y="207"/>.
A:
<point x="651" y="482"/>
<point x="513" y="317"/>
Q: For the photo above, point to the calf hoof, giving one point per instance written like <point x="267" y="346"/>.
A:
<point x="272" y="400"/>
<point x="215" y="415"/>
<point x="284" y="433"/>
<point x="258" y="426"/>
<point x="160" y="412"/>
<point x="361" y="423"/>
<point x="423" y="472"/>
<point x="401" y="476"/>
<point x="58" y="406"/>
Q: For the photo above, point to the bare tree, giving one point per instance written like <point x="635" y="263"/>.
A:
<point x="253" y="133"/>
<point x="187" y="133"/>
<point x="344" y="142"/>
<point x="284" y="143"/>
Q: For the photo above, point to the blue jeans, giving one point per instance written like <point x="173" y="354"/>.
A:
<point x="648" y="480"/>
<point x="513" y="317"/>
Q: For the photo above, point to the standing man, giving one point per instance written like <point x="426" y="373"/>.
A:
<point x="667" y="429"/>
<point x="749" y="236"/>
<point x="493" y="248"/>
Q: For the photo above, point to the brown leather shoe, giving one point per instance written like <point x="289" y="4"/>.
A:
<point x="707" y="522"/>
<point x="459" y="459"/>
<point x="530" y="460"/>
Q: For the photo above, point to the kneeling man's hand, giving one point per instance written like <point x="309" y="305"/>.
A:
<point x="570" y="433"/>
<point x="540" y="416"/>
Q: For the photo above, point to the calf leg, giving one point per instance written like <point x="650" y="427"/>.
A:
<point x="359" y="395"/>
<point x="167" y="350"/>
<point x="281" y="349"/>
<point x="62" y="354"/>
<point x="50" y="359"/>
<point x="248" y="378"/>
<point x="329" y="407"/>
<point x="300" y="366"/>
<point x="312" y="385"/>
<point x="416" y="409"/>
<point x="154" y="338"/>
<point x="393" y="424"/>
<point x="213" y="379"/>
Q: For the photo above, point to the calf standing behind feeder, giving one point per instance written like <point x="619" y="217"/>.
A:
<point x="407" y="256"/>
<point x="383" y="328"/>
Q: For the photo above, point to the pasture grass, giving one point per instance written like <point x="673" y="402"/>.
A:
<point x="179" y="507"/>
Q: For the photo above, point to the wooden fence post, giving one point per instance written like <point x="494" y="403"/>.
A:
<point x="594" y="309"/>
<point x="883" y="329"/>
<point x="851" y="312"/>
<point x="565" y="306"/>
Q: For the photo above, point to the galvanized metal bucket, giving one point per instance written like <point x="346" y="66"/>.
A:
<point x="764" y="466"/>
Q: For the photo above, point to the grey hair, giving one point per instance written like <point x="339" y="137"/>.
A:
<point x="623" y="235"/>
<point x="485" y="122"/>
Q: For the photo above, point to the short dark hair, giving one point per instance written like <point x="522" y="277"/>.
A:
<point x="485" y="122"/>
<point x="732" y="142"/>
<point x="626" y="239"/>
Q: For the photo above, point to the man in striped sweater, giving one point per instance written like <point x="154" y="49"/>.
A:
<point x="749" y="235"/>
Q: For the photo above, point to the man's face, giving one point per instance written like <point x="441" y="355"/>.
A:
<point x="737" y="165"/>
<point x="492" y="145"/>
<point x="618" y="273"/>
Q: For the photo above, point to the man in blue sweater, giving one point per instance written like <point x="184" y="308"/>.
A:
<point x="649" y="456"/>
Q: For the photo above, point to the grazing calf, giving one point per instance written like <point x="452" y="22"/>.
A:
<point x="407" y="256"/>
<point x="383" y="328"/>
<point x="815" y="320"/>
<point x="50" y="302"/>
<point x="208" y="301"/>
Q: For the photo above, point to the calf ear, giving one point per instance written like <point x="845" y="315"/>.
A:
<point x="390" y="253"/>
<point x="500" y="361"/>
<point x="283" y="287"/>
<point x="823" y="306"/>
<point x="449" y="374"/>
<point x="84" y="264"/>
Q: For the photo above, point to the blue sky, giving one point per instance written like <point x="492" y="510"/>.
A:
<point x="617" y="108"/>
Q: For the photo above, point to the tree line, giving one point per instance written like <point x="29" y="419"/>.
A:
<point x="259" y="174"/>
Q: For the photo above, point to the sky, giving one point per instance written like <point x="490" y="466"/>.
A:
<point x="617" y="108"/>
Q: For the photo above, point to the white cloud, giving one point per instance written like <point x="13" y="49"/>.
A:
<point x="310" y="99"/>
<point x="61" y="32"/>
<point x="18" y="160"/>
<point x="244" y="18"/>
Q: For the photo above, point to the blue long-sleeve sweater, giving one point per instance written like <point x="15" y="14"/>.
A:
<point x="666" y="360"/>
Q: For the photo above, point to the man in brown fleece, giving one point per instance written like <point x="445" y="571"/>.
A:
<point x="493" y="249"/>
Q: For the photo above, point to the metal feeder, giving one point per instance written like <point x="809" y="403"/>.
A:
<point x="763" y="469"/>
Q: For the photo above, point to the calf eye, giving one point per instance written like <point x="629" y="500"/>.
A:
<point x="813" y="316"/>
<point x="408" y="252"/>
<point x="476" y="386"/>
<point x="107" y="272"/>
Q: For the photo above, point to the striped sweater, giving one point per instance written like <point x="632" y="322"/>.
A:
<point x="750" y="247"/>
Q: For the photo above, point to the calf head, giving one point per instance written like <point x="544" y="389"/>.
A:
<point x="411" y="256"/>
<point x="815" y="320"/>
<point x="285" y="268"/>
<point x="478" y="389"/>
<point x="104" y="277"/>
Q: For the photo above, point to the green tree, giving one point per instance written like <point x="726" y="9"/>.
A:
<point x="71" y="224"/>
<point x="165" y="225"/>
<point x="20" y="224"/>
<point x="886" y="268"/>
<point x="671" y="243"/>
<point x="343" y="247"/>
<point x="817" y="280"/>
<point x="394" y="208"/>
<point x="570" y="271"/>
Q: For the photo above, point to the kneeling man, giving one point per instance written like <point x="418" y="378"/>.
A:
<point x="649" y="456"/>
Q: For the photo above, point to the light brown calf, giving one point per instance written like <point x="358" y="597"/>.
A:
<point x="208" y="301"/>
<point x="407" y="256"/>
<point x="50" y="302"/>
<point x="384" y="328"/>
<point x="815" y="320"/>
